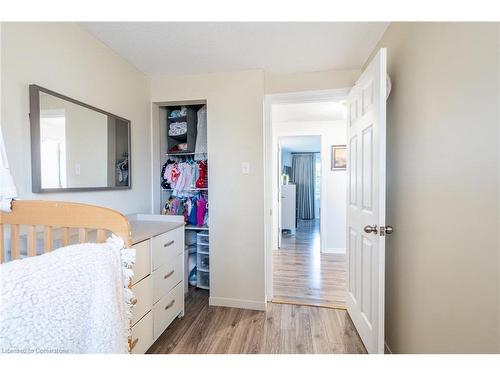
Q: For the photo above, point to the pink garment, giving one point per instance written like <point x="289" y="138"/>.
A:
<point x="174" y="173"/>
<point x="201" y="206"/>
<point x="187" y="210"/>
<point x="167" y="175"/>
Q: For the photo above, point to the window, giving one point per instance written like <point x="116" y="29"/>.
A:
<point x="53" y="148"/>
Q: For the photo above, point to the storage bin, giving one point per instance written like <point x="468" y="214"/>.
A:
<point x="203" y="280"/>
<point x="203" y="249"/>
<point x="203" y="262"/>
<point x="202" y="238"/>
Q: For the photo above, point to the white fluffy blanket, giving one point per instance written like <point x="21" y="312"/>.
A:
<point x="72" y="300"/>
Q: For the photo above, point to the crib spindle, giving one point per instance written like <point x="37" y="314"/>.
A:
<point x="14" y="240"/>
<point x="47" y="239"/>
<point x="101" y="235"/>
<point x="82" y="235"/>
<point x="31" y="240"/>
<point x="2" y="259"/>
<point x="65" y="236"/>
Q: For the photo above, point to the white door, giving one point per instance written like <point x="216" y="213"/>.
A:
<point x="366" y="208"/>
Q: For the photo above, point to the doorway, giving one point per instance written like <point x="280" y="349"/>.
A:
<point x="300" y="191"/>
<point x="365" y="161"/>
<point x="309" y="228"/>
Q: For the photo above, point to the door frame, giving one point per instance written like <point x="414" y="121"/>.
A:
<point x="269" y="100"/>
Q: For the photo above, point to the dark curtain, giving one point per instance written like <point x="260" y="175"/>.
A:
<point x="303" y="177"/>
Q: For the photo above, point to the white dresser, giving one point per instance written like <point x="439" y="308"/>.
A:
<point x="158" y="276"/>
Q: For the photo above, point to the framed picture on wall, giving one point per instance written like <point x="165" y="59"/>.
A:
<point x="339" y="157"/>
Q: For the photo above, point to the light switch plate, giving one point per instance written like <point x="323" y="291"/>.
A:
<point x="245" y="167"/>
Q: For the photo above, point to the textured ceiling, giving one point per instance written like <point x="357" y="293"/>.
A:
<point x="163" y="48"/>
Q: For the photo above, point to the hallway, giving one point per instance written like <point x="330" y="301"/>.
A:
<point x="304" y="275"/>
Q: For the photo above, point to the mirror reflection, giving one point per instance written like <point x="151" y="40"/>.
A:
<point x="80" y="147"/>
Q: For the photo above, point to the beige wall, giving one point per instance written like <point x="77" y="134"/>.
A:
<point x="65" y="58"/>
<point x="442" y="277"/>
<point x="235" y="135"/>
<point x="310" y="81"/>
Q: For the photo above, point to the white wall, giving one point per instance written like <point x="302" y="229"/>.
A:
<point x="333" y="183"/>
<point x="309" y="81"/>
<point x="235" y="135"/>
<point x="442" y="262"/>
<point x="1" y="25"/>
<point x="65" y="58"/>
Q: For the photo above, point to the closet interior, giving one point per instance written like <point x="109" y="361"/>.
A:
<point x="184" y="182"/>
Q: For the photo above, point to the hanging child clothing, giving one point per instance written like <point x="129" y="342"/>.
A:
<point x="201" y="209"/>
<point x="189" y="175"/>
<point x="193" y="208"/>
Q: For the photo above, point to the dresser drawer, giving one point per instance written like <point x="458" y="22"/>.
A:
<point x="166" y="246"/>
<point x="167" y="308"/>
<point x="143" y="292"/>
<point x="142" y="334"/>
<point x="167" y="276"/>
<point x="142" y="266"/>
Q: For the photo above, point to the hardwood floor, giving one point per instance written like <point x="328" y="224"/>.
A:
<point x="282" y="329"/>
<point x="304" y="275"/>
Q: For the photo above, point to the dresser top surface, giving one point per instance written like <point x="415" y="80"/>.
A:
<point x="142" y="230"/>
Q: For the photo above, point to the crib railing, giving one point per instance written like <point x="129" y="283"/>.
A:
<point x="60" y="218"/>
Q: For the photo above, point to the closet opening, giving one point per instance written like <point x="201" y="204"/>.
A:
<point x="306" y="146"/>
<point x="181" y="182"/>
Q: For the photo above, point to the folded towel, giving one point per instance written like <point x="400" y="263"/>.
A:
<point x="177" y="128"/>
<point x="72" y="300"/>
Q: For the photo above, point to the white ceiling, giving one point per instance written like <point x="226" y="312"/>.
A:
<point x="163" y="48"/>
<point x="309" y="143"/>
<point x="323" y="111"/>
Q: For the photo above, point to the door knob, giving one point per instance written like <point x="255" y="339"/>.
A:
<point x="386" y="230"/>
<point x="370" y="229"/>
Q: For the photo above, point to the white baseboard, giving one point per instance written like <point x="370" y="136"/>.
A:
<point x="334" y="250"/>
<point x="238" y="303"/>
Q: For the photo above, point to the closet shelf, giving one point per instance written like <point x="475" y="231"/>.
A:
<point x="193" y="227"/>
<point x="180" y="137"/>
<point x="177" y="119"/>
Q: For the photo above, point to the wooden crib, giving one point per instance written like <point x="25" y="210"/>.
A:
<point x="28" y="217"/>
<point x="58" y="216"/>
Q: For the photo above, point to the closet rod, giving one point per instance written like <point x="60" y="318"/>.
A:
<point x="185" y="153"/>
<point x="182" y="190"/>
